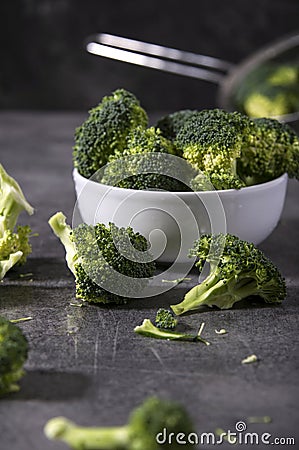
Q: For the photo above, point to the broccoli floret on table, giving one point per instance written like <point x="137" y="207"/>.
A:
<point x="146" y="164"/>
<point x="13" y="354"/>
<point x="238" y="270"/>
<point x="97" y="254"/>
<point x="14" y="239"/>
<point x="211" y="141"/>
<point x="273" y="149"/>
<point x="165" y="319"/>
<point x="143" y="431"/>
<point x="106" y="129"/>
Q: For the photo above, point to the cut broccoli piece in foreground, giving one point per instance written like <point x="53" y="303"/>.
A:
<point x="143" y="431"/>
<point x="106" y="129"/>
<point x="14" y="239"/>
<point x="237" y="270"/>
<point x="13" y="354"/>
<point x="165" y="319"/>
<point x="93" y="255"/>
<point x="148" y="329"/>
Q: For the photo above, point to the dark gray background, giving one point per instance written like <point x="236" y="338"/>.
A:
<point x="44" y="64"/>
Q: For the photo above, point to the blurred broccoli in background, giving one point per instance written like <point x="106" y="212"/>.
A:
<point x="144" y="431"/>
<point x="13" y="354"/>
<point x="270" y="90"/>
<point x="14" y="239"/>
<point x="95" y="254"/>
<point x="105" y="130"/>
<point x="237" y="270"/>
<point x="143" y="164"/>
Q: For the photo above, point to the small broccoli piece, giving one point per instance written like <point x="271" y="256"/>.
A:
<point x="106" y="130"/>
<point x="93" y="256"/>
<point x="171" y="124"/>
<point x="13" y="354"/>
<point x="148" y="329"/>
<point x="237" y="270"/>
<point x="211" y="141"/>
<point x="145" y="425"/>
<point x="273" y="150"/>
<point x="142" y="164"/>
<point x="14" y="239"/>
<point x="165" y="319"/>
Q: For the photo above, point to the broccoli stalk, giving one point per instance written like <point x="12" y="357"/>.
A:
<point x="95" y="260"/>
<point x="13" y="354"/>
<point x="14" y="241"/>
<point x="145" y="423"/>
<point x="239" y="271"/>
<point x="148" y="329"/>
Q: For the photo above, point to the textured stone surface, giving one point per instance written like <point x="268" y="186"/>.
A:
<point x="87" y="364"/>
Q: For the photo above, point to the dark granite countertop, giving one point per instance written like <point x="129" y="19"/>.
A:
<point x="87" y="364"/>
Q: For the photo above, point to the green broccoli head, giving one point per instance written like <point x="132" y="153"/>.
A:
<point x="14" y="240"/>
<point x="106" y="130"/>
<point x="143" y="165"/>
<point x="211" y="141"/>
<point x="273" y="150"/>
<point x="13" y="354"/>
<point x="238" y="270"/>
<point x="99" y="255"/>
<point x="144" y="431"/>
<point x="172" y="123"/>
<point x="165" y="319"/>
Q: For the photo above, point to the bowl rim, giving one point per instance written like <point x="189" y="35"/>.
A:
<point x="255" y="187"/>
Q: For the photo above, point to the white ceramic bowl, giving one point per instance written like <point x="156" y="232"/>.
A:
<point x="173" y="220"/>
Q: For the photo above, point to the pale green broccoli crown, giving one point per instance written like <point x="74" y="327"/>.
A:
<point x="106" y="130"/>
<point x="145" y="422"/>
<point x="13" y="354"/>
<point x="237" y="270"/>
<point x="94" y="252"/>
<point x="269" y="91"/>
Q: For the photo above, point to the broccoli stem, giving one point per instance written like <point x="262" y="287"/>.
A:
<point x="63" y="231"/>
<point x="88" y="438"/>
<point x="212" y="291"/>
<point x="7" y="264"/>
<point x="12" y="202"/>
